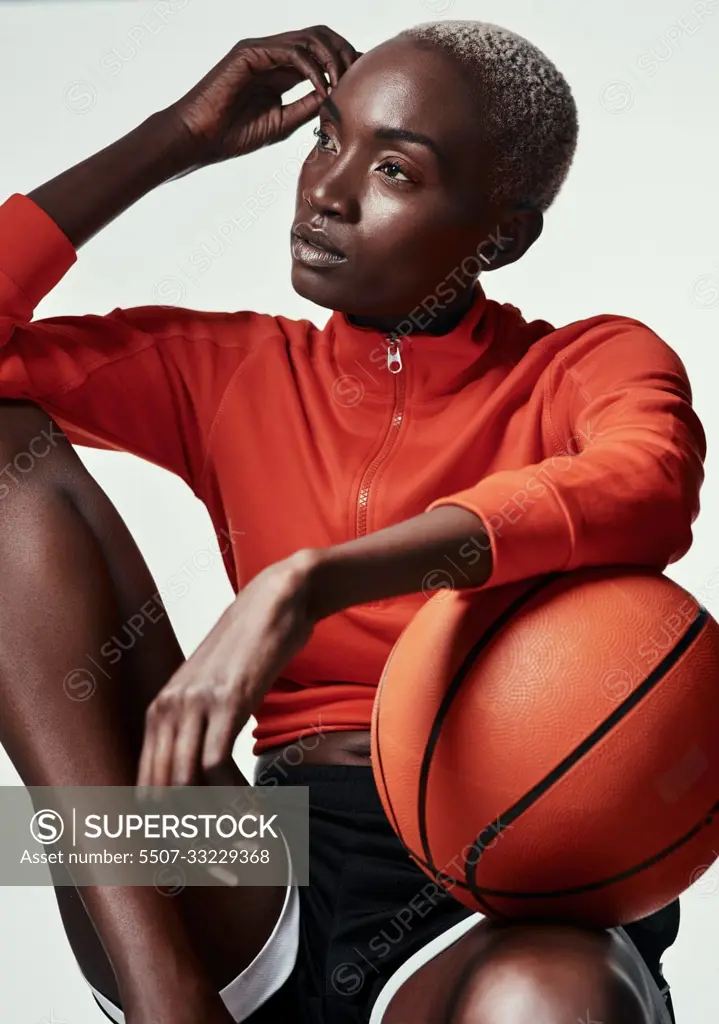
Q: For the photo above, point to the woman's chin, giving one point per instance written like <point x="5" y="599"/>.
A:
<point x="313" y="285"/>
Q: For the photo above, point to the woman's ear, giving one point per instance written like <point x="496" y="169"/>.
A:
<point x="513" y="235"/>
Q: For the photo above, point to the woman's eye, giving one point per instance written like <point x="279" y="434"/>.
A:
<point x="392" y="164"/>
<point x="393" y="168"/>
<point x="322" y="137"/>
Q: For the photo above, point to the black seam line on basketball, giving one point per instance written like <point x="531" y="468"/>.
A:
<point x="589" y="886"/>
<point x="449" y="696"/>
<point x="507" y="818"/>
<point x="621" y="876"/>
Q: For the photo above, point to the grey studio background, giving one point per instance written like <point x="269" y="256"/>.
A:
<point x="635" y="231"/>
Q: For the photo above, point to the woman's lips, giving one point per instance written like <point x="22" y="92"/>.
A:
<point x="312" y="255"/>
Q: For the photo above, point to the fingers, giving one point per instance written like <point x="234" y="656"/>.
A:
<point x="156" y="757"/>
<point x="310" y="66"/>
<point x="339" y="45"/>
<point x="329" y="50"/>
<point x="189" y="737"/>
<point x="330" y="58"/>
<point x="172" y="745"/>
<point x="293" y="115"/>
<point x="188" y="746"/>
<point x="218" y="767"/>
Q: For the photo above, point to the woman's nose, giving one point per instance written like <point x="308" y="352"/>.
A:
<point x="330" y="193"/>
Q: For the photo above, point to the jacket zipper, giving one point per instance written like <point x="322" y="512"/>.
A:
<point x="394" y="365"/>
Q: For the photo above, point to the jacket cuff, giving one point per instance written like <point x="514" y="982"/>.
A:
<point x="525" y="525"/>
<point x="37" y="253"/>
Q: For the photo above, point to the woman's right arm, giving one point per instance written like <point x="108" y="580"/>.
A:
<point x="85" y="198"/>
<point x="148" y="380"/>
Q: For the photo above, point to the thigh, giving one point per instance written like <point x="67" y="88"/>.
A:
<point x="54" y="511"/>
<point x="54" y="514"/>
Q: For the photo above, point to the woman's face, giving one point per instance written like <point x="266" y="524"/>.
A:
<point x="404" y="209"/>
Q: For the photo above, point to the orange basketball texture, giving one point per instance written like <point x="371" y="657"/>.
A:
<point x="558" y="759"/>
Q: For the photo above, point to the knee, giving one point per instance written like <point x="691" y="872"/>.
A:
<point x="546" y="975"/>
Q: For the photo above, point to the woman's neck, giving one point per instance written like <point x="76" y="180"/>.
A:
<point x="441" y="322"/>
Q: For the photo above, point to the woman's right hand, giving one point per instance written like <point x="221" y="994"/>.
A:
<point x="237" y="107"/>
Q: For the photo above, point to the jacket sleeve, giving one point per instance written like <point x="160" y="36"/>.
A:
<point x="623" y="484"/>
<point x="146" y="380"/>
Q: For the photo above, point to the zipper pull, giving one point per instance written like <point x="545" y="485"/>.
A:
<point x="394" y="359"/>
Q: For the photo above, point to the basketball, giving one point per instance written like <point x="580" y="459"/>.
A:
<point x="556" y="757"/>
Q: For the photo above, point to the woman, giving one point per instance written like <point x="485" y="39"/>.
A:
<point x="354" y="460"/>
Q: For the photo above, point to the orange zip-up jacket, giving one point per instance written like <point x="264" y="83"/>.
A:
<point x="575" y="446"/>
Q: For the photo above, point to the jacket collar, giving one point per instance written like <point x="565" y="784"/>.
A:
<point x="433" y="365"/>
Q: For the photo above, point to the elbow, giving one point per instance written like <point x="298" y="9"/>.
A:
<point x="676" y="539"/>
<point x="669" y="533"/>
<point x="672" y="544"/>
<point x="649" y="520"/>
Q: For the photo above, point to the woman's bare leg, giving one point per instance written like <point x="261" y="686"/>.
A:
<point x="72" y="576"/>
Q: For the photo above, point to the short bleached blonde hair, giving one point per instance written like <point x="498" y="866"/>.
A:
<point x="528" y="110"/>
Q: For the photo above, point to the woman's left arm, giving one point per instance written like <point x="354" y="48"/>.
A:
<point x="622" y="488"/>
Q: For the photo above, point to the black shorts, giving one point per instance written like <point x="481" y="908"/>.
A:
<point x="368" y="908"/>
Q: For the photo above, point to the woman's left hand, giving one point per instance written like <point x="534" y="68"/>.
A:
<point x="191" y="725"/>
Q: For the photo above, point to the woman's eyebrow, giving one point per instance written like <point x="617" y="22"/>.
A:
<point x="405" y="135"/>
<point x="402" y="134"/>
